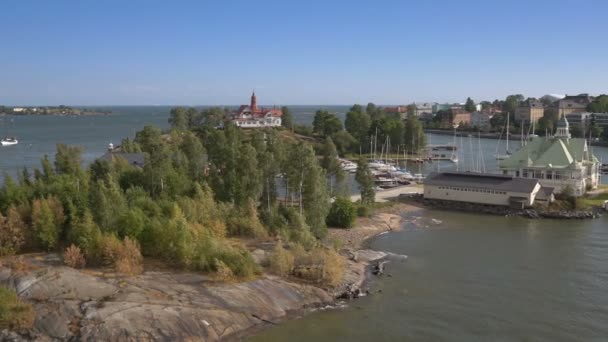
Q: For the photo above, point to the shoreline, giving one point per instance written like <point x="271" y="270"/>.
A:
<point x="100" y="304"/>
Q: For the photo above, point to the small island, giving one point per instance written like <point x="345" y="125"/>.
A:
<point x="52" y="110"/>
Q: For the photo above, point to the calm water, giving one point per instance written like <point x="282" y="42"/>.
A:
<point x="477" y="278"/>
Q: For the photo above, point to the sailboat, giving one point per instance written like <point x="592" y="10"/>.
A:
<point x="507" y="152"/>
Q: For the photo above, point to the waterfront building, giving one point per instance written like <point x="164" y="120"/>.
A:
<point x="573" y="104"/>
<point x="584" y="119"/>
<point x="252" y="116"/>
<point x="398" y="110"/>
<point x="486" y="189"/>
<point x="423" y="108"/>
<point x="529" y="111"/>
<point x="558" y="161"/>
<point x="460" y="117"/>
<point x="481" y="119"/>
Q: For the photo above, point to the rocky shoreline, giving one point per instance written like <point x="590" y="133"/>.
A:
<point x="535" y="213"/>
<point x="168" y="305"/>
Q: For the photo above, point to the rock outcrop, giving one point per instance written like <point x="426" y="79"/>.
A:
<point x="160" y="306"/>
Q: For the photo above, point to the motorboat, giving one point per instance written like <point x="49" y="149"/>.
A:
<point x="9" y="141"/>
<point x="349" y="166"/>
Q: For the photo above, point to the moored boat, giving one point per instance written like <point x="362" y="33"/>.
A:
<point x="9" y="141"/>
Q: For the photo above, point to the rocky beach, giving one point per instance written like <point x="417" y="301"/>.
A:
<point x="99" y="304"/>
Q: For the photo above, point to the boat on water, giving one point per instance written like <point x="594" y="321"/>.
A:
<point x="9" y="141"/>
<point x="604" y="168"/>
<point x="348" y="166"/>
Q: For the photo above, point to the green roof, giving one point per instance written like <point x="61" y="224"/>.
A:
<point x="543" y="152"/>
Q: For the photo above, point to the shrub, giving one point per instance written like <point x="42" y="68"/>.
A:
<point x="124" y="256"/>
<point x="281" y="261"/>
<point x="12" y="232"/>
<point x="245" y="222"/>
<point x="14" y="313"/>
<point x="223" y="272"/>
<point x="73" y="257"/>
<point x="341" y="214"/>
<point x="319" y="265"/>
<point x="363" y="211"/>
<point x="129" y="260"/>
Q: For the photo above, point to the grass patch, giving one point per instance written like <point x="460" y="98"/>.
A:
<point x="588" y="202"/>
<point x="14" y="313"/>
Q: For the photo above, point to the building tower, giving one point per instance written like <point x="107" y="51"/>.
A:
<point x="254" y="102"/>
<point x="563" y="128"/>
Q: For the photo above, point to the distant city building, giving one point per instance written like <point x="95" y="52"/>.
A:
<point x="481" y="119"/>
<point x="558" y="161"/>
<point x="573" y="104"/>
<point x="460" y="117"/>
<point x="18" y="109"/>
<point x="400" y="110"/>
<point x="529" y="111"/>
<point x="437" y="107"/>
<point x="424" y="108"/>
<point x="487" y="189"/>
<point x="585" y="119"/>
<point x="252" y="116"/>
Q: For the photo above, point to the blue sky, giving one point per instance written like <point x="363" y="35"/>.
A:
<point x="297" y="52"/>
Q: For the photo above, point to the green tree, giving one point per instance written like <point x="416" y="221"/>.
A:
<point x="331" y="164"/>
<point x="511" y="103"/>
<point x="344" y="142"/>
<point x="342" y="213"/>
<point x="286" y="118"/>
<point x="358" y="124"/>
<point x="325" y="123"/>
<point x="67" y="159"/>
<point x="178" y="118"/>
<point x="44" y="224"/>
<point x="365" y="179"/>
<point x="599" y="105"/>
<point x="411" y="109"/>
<point x="469" y="105"/>
<point x="414" y="138"/>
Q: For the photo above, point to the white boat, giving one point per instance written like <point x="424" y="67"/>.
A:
<point x="349" y="166"/>
<point x="418" y="177"/>
<point x="9" y="141"/>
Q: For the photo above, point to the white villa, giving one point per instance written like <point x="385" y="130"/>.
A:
<point x="252" y="116"/>
<point x="558" y="161"/>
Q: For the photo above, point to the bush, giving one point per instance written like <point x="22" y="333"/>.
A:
<point x="73" y="257"/>
<point x="12" y="232"/>
<point x="319" y="265"/>
<point x="14" y="313"/>
<point x="281" y="261"/>
<point x="363" y="211"/>
<point x="341" y="214"/>
<point x="129" y="260"/>
<point x="245" y="222"/>
<point x="124" y="256"/>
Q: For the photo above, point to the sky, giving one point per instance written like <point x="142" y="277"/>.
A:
<point x="297" y="52"/>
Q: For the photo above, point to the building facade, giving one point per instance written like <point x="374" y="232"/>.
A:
<point x="423" y="108"/>
<point x="484" y="188"/>
<point x="252" y="116"/>
<point x="529" y="111"/>
<point x="460" y="117"/>
<point x="573" y="104"/>
<point x="481" y="119"/>
<point x="558" y="161"/>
